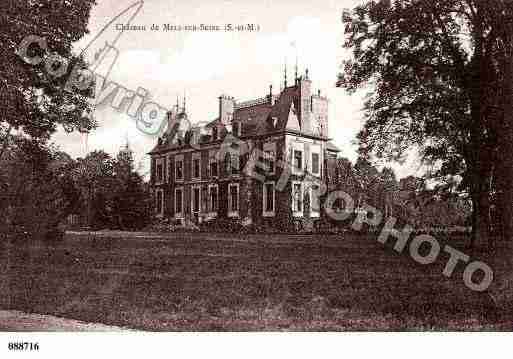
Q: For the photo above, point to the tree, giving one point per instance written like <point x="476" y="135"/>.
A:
<point x="33" y="104"/>
<point x="37" y="204"/>
<point x="94" y="177"/>
<point x="498" y="18"/>
<point x="33" y="101"/>
<point x="364" y="183"/>
<point x="112" y="193"/>
<point x="436" y="70"/>
<point x="131" y="201"/>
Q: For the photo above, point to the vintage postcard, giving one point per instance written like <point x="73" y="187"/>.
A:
<point x="254" y="166"/>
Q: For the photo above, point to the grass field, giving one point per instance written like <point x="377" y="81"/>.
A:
<point x="225" y="282"/>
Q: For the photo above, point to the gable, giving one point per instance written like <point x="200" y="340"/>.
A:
<point x="293" y="121"/>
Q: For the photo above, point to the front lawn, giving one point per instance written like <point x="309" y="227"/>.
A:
<point x="227" y="282"/>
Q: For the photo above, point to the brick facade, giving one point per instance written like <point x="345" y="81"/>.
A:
<point x="192" y="178"/>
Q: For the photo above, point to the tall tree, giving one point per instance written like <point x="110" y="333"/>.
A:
<point x="131" y="201"/>
<point x="34" y="101"/>
<point x="94" y="176"/>
<point x="498" y="18"/>
<point x="37" y="204"/>
<point x="434" y="68"/>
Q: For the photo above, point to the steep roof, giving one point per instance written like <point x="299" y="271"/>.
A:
<point x="281" y="108"/>
<point x="259" y="118"/>
<point x="253" y="119"/>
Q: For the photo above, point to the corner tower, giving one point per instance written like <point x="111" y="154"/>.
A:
<point x="305" y="104"/>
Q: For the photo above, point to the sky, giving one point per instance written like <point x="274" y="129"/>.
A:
<point x="204" y="65"/>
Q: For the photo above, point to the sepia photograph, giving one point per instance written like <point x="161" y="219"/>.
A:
<point x="337" y="166"/>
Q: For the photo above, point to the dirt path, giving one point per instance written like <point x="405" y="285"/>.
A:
<point x="15" y="321"/>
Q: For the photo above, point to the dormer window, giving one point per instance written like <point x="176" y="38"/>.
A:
<point x="215" y="133"/>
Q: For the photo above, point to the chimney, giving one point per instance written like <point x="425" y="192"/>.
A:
<point x="305" y="91"/>
<point x="271" y="96"/>
<point x="171" y="121"/>
<point x="226" y="109"/>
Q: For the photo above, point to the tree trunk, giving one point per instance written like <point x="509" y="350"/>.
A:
<point x="502" y="262"/>
<point x="505" y="165"/>
<point x="480" y="221"/>
<point x="477" y="157"/>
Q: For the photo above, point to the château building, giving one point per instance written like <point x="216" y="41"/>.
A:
<point x="260" y="161"/>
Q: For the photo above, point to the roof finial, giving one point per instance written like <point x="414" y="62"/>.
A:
<point x="127" y="142"/>
<point x="177" y="103"/>
<point x="184" y="101"/>
<point x="296" y="74"/>
<point x="285" y="72"/>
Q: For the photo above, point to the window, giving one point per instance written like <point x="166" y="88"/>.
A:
<point x="315" y="205"/>
<point x="315" y="163"/>
<point x="269" y="149"/>
<point x="269" y="161"/>
<point x="233" y="200"/>
<point x="213" y="205"/>
<point x="297" y="199"/>
<point x="298" y="160"/>
<point x="178" y="202"/>
<point x="232" y="164"/>
<point x="169" y="173"/>
<point x="196" y="169"/>
<point x="228" y="162"/>
<point x="318" y="126"/>
<point x="269" y="199"/>
<point x="215" y="133"/>
<point x="196" y="200"/>
<point x="160" y="172"/>
<point x="179" y="169"/>
<point x="196" y="166"/>
<point x="235" y="165"/>
<point x="160" y="202"/>
<point x="213" y="167"/>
